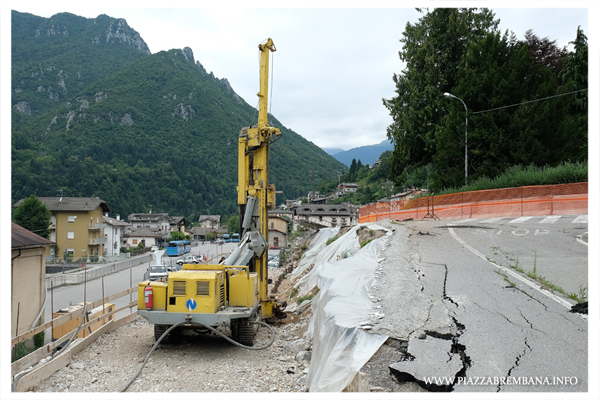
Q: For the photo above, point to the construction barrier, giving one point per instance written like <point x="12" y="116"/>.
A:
<point x="565" y="199"/>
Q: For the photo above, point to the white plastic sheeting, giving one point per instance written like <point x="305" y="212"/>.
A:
<point x="344" y="274"/>
<point x="318" y="243"/>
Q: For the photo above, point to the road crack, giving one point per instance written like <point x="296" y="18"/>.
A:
<point x="444" y="294"/>
<point x="517" y="362"/>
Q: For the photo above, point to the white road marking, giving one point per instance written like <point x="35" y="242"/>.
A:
<point x="551" y="219"/>
<point x="519" y="220"/>
<point x="491" y="220"/>
<point x="580" y="239"/>
<point x="582" y="219"/>
<point x="511" y="272"/>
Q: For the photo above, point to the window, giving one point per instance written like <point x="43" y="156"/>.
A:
<point x="70" y="252"/>
<point x="71" y="235"/>
<point x="135" y="241"/>
<point x="72" y="218"/>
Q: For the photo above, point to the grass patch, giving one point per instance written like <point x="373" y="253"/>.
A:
<point x="512" y="284"/>
<point x="331" y="240"/>
<point x="516" y="266"/>
<point x="304" y="298"/>
<point x="581" y="296"/>
<point x="293" y="292"/>
<point x="368" y="241"/>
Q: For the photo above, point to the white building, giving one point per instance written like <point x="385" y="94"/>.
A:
<point x="114" y="235"/>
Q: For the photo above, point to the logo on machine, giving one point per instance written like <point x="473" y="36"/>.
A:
<point x="190" y="304"/>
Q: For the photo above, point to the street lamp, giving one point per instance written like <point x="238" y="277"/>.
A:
<point x="466" y="124"/>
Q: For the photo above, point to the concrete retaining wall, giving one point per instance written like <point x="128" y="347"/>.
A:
<point x="80" y="277"/>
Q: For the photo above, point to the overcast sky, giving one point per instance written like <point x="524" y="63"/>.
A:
<point x="332" y="67"/>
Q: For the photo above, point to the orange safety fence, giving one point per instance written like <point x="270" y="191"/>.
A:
<point x="569" y="198"/>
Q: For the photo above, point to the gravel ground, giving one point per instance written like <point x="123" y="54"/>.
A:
<point x="194" y="363"/>
<point x="200" y="362"/>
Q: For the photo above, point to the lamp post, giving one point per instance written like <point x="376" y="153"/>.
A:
<point x="466" y="124"/>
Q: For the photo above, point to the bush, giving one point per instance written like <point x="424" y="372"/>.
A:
<point x="517" y="176"/>
<point x="20" y="351"/>
<point x="38" y="339"/>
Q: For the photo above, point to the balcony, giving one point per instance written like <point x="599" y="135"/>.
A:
<point x="93" y="227"/>
<point x="97" y="241"/>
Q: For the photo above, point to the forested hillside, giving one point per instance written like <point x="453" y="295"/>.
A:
<point x="94" y="113"/>
<point x="366" y="154"/>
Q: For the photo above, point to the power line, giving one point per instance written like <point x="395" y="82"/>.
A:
<point x="531" y="101"/>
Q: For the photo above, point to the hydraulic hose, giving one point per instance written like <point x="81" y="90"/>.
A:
<point x="205" y="326"/>
<point x="43" y="306"/>
<point x="22" y="374"/>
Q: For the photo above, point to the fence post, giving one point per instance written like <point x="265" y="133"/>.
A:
<point x="521" y="201"/>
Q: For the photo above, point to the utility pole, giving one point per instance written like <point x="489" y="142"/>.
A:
<point x="313" y="174"/>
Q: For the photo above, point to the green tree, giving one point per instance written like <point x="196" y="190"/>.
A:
<point x="210" y="236"/>
<point x="353" y="170"/>
<point x="233" y="224"/>
<point x="33" y="215"/>
<point x="574" y="76"/>
<point x="433" y="50"/>
<point x="176" y="235"/>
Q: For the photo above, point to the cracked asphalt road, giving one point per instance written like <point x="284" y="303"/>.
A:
<point x="454" y="288"/>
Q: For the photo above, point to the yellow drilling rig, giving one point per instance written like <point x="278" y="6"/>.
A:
<point x="234" y="292"/>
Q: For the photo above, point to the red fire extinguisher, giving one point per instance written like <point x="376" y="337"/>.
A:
<point x="149" y="297"/>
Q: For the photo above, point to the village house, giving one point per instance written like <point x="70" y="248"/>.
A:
<point x="200" y="233"/>
<point x="76" y="224"/>
<point x="114" y="231"/>
<point x="151" y="229"/>
<point x="210" y="221"/>
<point x="409" y="194"/>
<point x="326" y="215"/>
<point x="28" y="278"/>
<point x="278" y="231"/>
<point x="345" y="188"/>
<point x="148" y="236"/>
<point x="177" y="224"/>
<point x="161" y="221"/>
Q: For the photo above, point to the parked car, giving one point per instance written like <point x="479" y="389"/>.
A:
<point x="274" y="262"/>
<point x="154" y="248"/>
<point x="189" y="260"/>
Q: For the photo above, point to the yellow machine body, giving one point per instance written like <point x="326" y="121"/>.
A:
<point x="159" y="290"/>
<point x="200" y="288"/>
<point x="243" y="289"/>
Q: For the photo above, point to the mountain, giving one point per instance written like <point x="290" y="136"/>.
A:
<point x="332" y="151"/>
<point x="366" y="154"/>
<point x="95" y="114"/>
